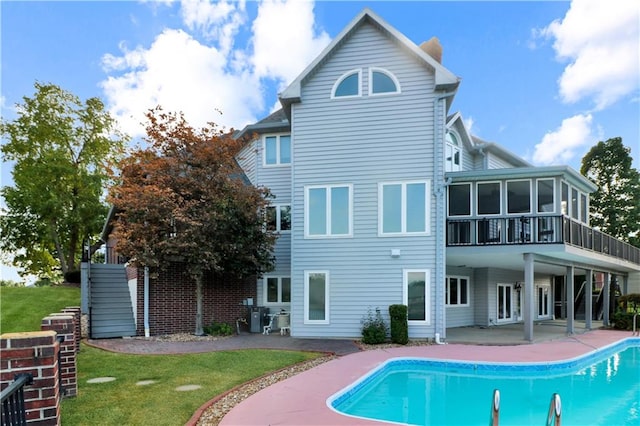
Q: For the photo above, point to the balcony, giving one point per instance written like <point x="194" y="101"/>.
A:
<point x="555" y="229"/>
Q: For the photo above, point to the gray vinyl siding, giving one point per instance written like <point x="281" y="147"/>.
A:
<point x="247" y="159"/>
<point x="495" y="162"/>
<point x="460" y="316"/>
<point x="468" y="159"/>
<point x="362" y="142"/>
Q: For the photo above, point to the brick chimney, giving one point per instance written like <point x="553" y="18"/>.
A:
<point x="433" y="48"/>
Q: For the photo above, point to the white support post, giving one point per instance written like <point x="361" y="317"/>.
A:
<point x="528" y="296"/>
<point x="569" y="287"/>
<point x="588" y="299"/>
<point x="606" y="299"/>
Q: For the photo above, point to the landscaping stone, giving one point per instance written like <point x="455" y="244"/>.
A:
<point x="101" y="380"/>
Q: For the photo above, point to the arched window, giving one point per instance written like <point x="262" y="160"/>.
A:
<point x="382" y="81"/>
<point x="452" y="153"/>
<point x="348" y="85"/>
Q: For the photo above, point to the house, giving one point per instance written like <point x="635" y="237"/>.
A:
<point x="382" y="196"/>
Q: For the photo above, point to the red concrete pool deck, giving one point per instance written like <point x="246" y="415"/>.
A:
<point x="301" y="400"/>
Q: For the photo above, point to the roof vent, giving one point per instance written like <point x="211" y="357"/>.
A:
<point x="433" y="48"/>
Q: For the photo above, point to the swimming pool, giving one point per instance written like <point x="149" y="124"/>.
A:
<point x="600" y="388"/>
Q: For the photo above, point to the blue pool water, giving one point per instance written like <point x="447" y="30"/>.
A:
<point x="602" y="388"/>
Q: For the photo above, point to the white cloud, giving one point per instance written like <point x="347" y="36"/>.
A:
<point x="285" y="39"/>
<point x="560" y="145"/>
<point x="601" y="40"/>
<point x="181" y="73"/>
<point x="468" y="123"/>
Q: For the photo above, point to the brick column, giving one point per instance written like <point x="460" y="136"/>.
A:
<point x="77" y="316"/>
<point x="35" y="353"/>
<point x="64" y="326"/>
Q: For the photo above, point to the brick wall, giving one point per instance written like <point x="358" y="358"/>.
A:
<point x="64" y="325"/>
<point x="172" y="301"/>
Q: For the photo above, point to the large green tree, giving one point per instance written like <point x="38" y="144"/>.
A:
<point x="183" y="199"/>
<point x="615" y="206"/>
<point x="62" y="150"/>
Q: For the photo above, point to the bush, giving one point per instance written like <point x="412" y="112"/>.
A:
<point x="630" y="302"/>
<point x="624" y="320"/>
<point x="218" y="329"/>
<point x="72" y="277"/>
<point x="374" y="330"/>
<point x="11" y="283"/>
<point x="399" y="324"/>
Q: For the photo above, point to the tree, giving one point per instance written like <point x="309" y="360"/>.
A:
<point x="62" y="149"/>
<point x="183" y="198"/>
<point x="615" y="206"/>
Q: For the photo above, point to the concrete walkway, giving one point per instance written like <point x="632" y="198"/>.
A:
<point x="242" y="341"/>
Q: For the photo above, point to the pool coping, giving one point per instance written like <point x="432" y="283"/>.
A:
<point x="302" y="399"/>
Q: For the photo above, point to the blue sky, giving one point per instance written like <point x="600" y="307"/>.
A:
<point x="546" y="80"/>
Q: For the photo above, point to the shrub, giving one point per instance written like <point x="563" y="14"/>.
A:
<point x="624" y="320"/>
<point x="630" y="302"/>
<point x="374" y="330"/>
<point x="218" y="329"/>
<point x="72" y="277"/>
<point x="11" y="283"/>
<point x="399" y="324"/>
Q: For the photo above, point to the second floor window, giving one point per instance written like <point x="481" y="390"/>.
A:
<point x="460" y="200"/>
<point x="518" y="196"/>
<point x="328" y="211"/>
<point x="453" y="161"/>
<point x="279" y="218"/>
<point x="348" y="85"/>
<point x="404" y="208"/>
<point x="277" y="150"/>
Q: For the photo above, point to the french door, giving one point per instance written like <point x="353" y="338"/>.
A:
<point x="505" y="303"/>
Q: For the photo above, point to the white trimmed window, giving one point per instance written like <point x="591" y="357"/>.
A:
<point x="546" y="195"/>
<point x="457" y="291"/>
<point x="459" y="199"/>
<point x="348" y="85"/>
<point x="404" y="208"/>
<point x="488" y="198"/>
<point x="518" y="196"/>
<point x="382" y="82"/>
<point x="416" y="295"/>
<point x="452" y="153"/>
<point x="328" y="211"/>
<point x="279" y="218"/>
<point x="277" y="290"/>
<point x="277" y="150"/>
<point x="316" y="297"/>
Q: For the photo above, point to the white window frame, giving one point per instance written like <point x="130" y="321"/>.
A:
<point x="279" y="217"/>
<point x="388" y="74"/>
<point x="265" y="290"/>
<point x="427" y="294"/>
<point x="449" y="165"/>
<point x="326" y="297"/>
<point x="403" y="213"/>
<point x="278" y="162"/>
<point x="506" y="197"/>
<point x="328" y="233"/>
<point x="342" y="78"/>
<point x="459" y="285"/>
<point x="555" y="195"/>
<point x="470" y="200"/>
<point x="501" y="200"/>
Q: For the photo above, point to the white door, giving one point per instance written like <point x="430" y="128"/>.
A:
<point x="505" y="303"/>
<point x="543" y="301"/>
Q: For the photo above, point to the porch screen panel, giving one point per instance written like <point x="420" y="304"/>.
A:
<point x="460" y="200"/>
<point x="488" y="198"/>
<point x="545" y="196"/>
<point x="519" y="196"/>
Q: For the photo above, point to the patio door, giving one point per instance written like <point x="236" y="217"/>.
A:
<point x="543" y="301"/>
<point x="505" y="303"/>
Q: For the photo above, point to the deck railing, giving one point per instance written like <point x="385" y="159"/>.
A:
<point x="550" y="229"/>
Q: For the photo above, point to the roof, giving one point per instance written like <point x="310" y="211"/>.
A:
<point x="274" y="122"/>
<point x="445" y="80"/>
<point x="481" y="146"/>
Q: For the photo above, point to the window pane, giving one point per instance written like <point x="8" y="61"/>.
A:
<point x="463" y="291"/>
<point x="453" y="292"/>
<point x="286" y="290"/>
<point x="416" y="296"/>
<point x="391" y="208"/>
<point x="285" y="218"/>
<point x="518" y="197"/>
<point x="489" y="198"/>
<point x="565" y="199"/>
<point x="583" y="208"/>
<point x="272" y="290"/>
<point x="574" y="203"/>
<point x="460" y="200"/>
<point x="382" y="83"/>
<point x="270" y="150"/>
<point x="545" y="196"/>
<point x="340" y="210"/>
<point x="348" y="86"/>
<point x="285" y="149"/>
<point x="317" y="211"/>
<point x="316" y="296"/>
<point x="416" y="207"/>
<point x="271" y="218"/>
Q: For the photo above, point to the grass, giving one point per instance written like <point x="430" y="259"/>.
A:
<point x="123" y="402"/>
<point x="22" y="308"/>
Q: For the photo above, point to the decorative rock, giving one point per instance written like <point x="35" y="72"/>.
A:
<point x="187" y="388"/>
<point x="145" y="382"/>
<point x="101" y="380"/>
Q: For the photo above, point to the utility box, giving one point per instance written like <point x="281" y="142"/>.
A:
<point x="257" y="318"/>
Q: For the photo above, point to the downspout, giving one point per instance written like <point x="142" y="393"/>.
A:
<point x="439" y="192"/>
<point x="146" y="301"/>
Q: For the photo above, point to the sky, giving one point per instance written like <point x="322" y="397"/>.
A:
<point x="546" y="80"/>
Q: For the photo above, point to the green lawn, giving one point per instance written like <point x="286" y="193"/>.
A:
<point x="22" y="308"/>
<point x="123" y="402"/>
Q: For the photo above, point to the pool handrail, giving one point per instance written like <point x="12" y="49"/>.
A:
<point x="555" y="411"/>
<point x="634" y="326"/>
<point x="495" y="409"/>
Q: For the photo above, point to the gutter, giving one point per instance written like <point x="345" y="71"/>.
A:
<point x="146" y="301"/>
